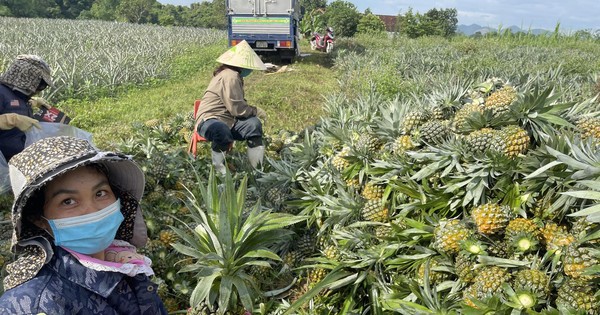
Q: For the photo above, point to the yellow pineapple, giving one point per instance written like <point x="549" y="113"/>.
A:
<point x="522" y="234"/>
<point x="413" y="120"/>
<point x="375" y="210"/>
<point x="500" y="100"/>
<point x="515" y="141"/>
<point x="167" y="237"/>
<point x="491" y="218"/>
<point x="576" y="260"/>
<point x="372" y="191"/>
<point x="448" y="235"/>
<point x="533" y="281"/>
<point x="152" y="123"/>
<point x="589" y="127"/>
<point x="460" y="118"/>
<point x="403" y="143"/>
<point x="464" y="265"/>
<point x="556" y="236"/>
<point x="435" y="276"/>
<point x="339" y="162"/>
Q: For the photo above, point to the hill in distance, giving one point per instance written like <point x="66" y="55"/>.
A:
<point x="474" y="28"/>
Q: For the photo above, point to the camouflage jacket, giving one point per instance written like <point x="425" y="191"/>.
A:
<point x="64" y="286"/>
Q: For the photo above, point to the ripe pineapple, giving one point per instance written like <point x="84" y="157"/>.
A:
<point x="589" y="127"/>
<point x="368" y="144"/>
<point x="533" y="281"/>
<point x="372" y="191"/>
<point x="578" y="294"/>
<point x="489" y="281"/>
<point x="482" y="140"/>
<point x="353" y="183"/>
<point x="152" y="123"/>
<point x="491" y="218"/>
<point x="291" y="259"/>
<point x="383" y="232"/>
<point x="515" y="140"/>
<point x="413" y="120"/>
<point x="576" y="259"/>
<point x="331" y="252"/>
<point x="435" y="131"/>
<point x="167" y="237"/>
<point x="449" y="234"/>
<point x="500" y="100"/>
<point x="522" y="235"/>
<point x="403" y="143"/>
<point x="375" y="210"/>
<point x="339" y="162"/>
<point x="316" y="275"/>
<point x="460" y="119"/>
<point x="556" y="236"/>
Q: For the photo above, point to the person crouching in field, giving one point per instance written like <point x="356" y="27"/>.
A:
<point x="26" y="76"/>
<point x="76" y="225"/>
<point x="224" y="115"/>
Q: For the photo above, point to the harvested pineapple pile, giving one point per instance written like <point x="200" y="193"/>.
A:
<point x="476" y="199"/>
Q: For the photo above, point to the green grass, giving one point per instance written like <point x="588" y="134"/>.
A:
<point x="292" y="99"/>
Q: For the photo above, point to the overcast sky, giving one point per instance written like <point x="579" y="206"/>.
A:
<point x="572" y="14"/>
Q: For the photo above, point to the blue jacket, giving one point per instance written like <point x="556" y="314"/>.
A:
<point x="13" y="141"/>
<point x="64" y="286"/>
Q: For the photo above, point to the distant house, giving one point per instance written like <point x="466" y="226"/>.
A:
<point x="390" y="22"/>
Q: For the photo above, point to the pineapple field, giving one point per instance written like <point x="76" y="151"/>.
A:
<point x="441" y="177"/>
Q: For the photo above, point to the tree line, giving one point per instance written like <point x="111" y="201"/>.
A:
<point x="343" y="16"/>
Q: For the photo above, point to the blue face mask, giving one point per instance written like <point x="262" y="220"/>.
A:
<point x="245" y="72"/>
<point x="89" y="233"/>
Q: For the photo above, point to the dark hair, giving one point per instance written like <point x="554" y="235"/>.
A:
<point x="223" y="67"/>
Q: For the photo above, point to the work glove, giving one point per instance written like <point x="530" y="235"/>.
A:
<point x="39" y="102"/>
<point x="260" y="113"/>
<point x="12" y="120"/>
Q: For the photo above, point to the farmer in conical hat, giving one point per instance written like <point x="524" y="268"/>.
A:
<point x="26" y="76"/>
<point x="77" y="225"/>
<point x="224" y="115"/>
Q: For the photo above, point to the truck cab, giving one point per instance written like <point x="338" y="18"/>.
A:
<point x="269" y="26"/>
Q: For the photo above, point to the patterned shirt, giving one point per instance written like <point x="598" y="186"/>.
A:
<point x="64" y="286"/>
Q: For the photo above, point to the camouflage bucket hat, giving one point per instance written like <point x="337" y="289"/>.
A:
<point x="26" y="72"/>
<point x="48" y="158"/>
<point x="242" y="56"/>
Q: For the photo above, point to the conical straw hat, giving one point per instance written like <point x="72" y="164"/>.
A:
<point x="242" y="56"/>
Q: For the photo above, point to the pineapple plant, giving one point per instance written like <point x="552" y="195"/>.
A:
<point x="435" y="277"/>
<point x="491" y="218"/>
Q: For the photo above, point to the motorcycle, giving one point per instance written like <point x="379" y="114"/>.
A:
<point x="322" y="43"/>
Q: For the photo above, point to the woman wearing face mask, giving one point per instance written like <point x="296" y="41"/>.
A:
<point x="224" y="115"/>
<point x="77" y="224"/>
